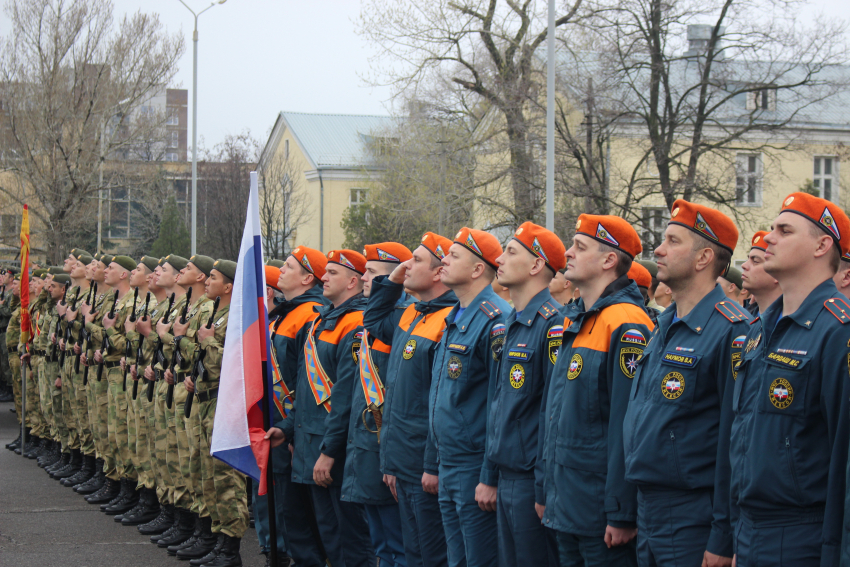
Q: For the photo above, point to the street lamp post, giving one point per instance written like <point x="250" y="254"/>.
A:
<point x="195" y="123"/>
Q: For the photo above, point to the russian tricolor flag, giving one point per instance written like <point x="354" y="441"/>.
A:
<point x="238" y="428"/>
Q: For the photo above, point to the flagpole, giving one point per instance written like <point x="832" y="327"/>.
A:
<point x="23" y="409"/>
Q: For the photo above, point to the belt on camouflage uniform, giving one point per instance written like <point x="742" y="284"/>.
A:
<point x="207" y="395"/>
<point x="112" y="364"/>
<point x="39" y="353"/>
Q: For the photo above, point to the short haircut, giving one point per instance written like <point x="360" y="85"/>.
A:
<point x="306" y="272"/>
<point x="624" y="261"/>
<point x="435" y="262"/>
<point x="722" y="256"/>
<point x="835" y="260"/>
<point x="489" y="272"/>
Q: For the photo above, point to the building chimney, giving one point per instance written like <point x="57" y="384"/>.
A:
<point x="699" y="36"/>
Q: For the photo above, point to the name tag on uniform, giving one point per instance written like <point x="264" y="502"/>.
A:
<point x="457" y="347"/>
<point x="680" y="359"/>
<point x="785" y="360"/>
<point x="522" y="354"/>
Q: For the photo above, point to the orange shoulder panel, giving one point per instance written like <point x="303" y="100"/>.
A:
<point x="381" y="347"/>
<point x="596" y="331"/>
<point x="344" y="325"/>
<point x="407" y="317"/>
<point x="296" y="319"/>
<point x="431" y="326"/>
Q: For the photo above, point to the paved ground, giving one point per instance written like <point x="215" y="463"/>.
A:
<point x="44" y="524"/>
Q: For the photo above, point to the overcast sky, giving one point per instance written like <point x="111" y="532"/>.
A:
<point x="258" y="57"/>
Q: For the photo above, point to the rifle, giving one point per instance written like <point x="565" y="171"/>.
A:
<point x="67" y="336"/>
<point x="83" y="334"/>
<point x="87" y="338"/>
<point x="169" y="394"/>
<point x="157" y="354"/>
<point x="58" y="322"/>
<point x="3" y="294"/>
<point x="139" y="348"/>
<point x="128" y="349"/>
<point x="104" y="346"/>
<point x="199" y="371"/>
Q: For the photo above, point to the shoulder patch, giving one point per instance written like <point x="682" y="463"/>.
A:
<point x="498" y="329"/>
<point x="548" y="310"/>
<point x="839" y="308"/>
<point x="555" y="332"/>
<point x="634" y="337"/>
<point x="731" y="311"/>
<point x="489" y="309"/>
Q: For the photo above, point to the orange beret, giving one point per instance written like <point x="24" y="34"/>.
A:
<point x="611" y="230"/>
<point x="543" y="243"/>
<point x="312" y="260"/>
<point x="272" y="275"/>
<point x="707" y="222"/>
<point x="348" y="258"/>
<point x="481" y="243"/>
<point x="825" y="214"/>
<point x="640" y="275"/>
<point x="758" y="240"/>
<point x="436" y="244"/>
<point x="387" y="252"/>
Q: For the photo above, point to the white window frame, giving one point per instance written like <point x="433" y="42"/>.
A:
<point x="361" y="193"/>
<point x="762" y="99"/>
<point x="173" y="116"/>
<point x="174" y="139"/>
<point x="749" y="176"/>
<point x="820" y="177"/>
<point x="171" y="156"/>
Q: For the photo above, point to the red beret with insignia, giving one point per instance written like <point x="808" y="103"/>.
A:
<point x="542" y="243"/>
<point x="436" y="244"/>
<point x="349" y="258"/>
<point x="387" y="252"/>
<point x="640" y="275"/>
<point x="613" y="231"/>
<point x="709" y="223"/>
<point x="758" y="240"/>
<point x="312" y="260"/>
<point x="826" y="215"/>
<point x="272" y="275"/>
<point x="481" y="243"/>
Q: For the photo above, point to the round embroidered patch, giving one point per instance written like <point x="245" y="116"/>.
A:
<point x="781" y="393"/>
<point x="517" y="376"/>
<point x="673" y="385"/>
<point x="409" y="349"/>
<point x="576" y="364"/>
<point x="455" y="367"/>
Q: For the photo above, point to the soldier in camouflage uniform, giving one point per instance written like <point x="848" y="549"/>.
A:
<point x="43" y="426"/>
<point x="43" y="348"/>
<point x="5" y="314"/>
<point x="13" y="337"/>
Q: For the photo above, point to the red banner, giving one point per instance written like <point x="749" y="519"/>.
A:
<point x="26" y="326"/>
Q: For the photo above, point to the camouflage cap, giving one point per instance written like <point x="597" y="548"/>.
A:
<point x="150" y="262"/>
<point x="125" y="262"/>
<point x="203" y="263"/>
<point x="177" y="262"/>
<point x="226" y="268"/>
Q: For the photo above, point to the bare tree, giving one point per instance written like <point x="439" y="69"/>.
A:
<point x="223" y="187"/>
<point x="70" y="78"/>
<point x="486" y="50"/>
<point x="283" y="204"/>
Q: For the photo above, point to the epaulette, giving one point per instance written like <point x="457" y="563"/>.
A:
<point x="839" y="308"/>
<point x="548" y="310"/>
<point x="490" y="309"/>
<point x="757" y="318"/>
<point x="731" y="311"/>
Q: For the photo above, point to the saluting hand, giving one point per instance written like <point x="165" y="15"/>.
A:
<point x="486" y="495"/>
<point x="397" y="275"/>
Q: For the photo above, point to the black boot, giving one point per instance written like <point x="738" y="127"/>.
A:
<point x="160" y="523"/>
<point x="52" y="456"/>
<point x="229" y="554"/>
<point x="127" y="503"/>
<point x="174" y="524"/>
<point x="85" y="473"/>
<point x="32" y="443"/>
<point x="146" y="511"/>
<point x="204" y="543"/>
<point x="38" y="450"/>
<point x="64" y="459"/>
<point x="122" y="494"/>
<point x="95" y="483"/>
<point x="106" y="494"/>
<point x="196" y="532"/>
<point x="212" y="554"/>
<point x="14" y="444"/>
<point x="74" y="466"/>
<point x="182" y="531"/>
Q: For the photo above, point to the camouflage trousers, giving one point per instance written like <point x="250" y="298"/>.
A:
<point x="5" y="369"/>
<point x="163" y="420"/>
<point x="49" y="370"/>
<point x="35" y="421"/>
<point x="15" y="365"/>
<point x="188" y="448"/>
<point x="69" y="403"/>
<point x="144" y="412"/>
<point x="47" y="428"/>
<point x="178" y="446"/>
<point x="79" y="405"/>
<point x="98" y="401"/>
<point x="117" y="425"/>
<point x="224" y="488"/>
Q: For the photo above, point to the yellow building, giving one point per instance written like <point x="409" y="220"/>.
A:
<point x="326" y="158"/>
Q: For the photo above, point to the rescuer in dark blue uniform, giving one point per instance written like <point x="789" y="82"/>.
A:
<point x="532" y="339"/>
<point x="587" y="500"/>
<point x="414" y="338"/>
<point x="676" y="429"/>
<point x="790" y="430"/>
<point x="463" y="376"/>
